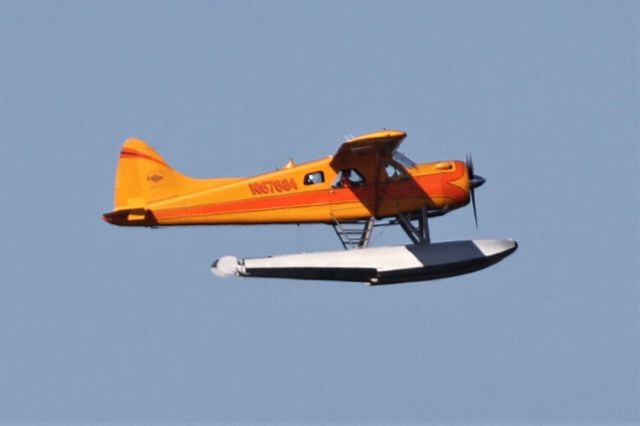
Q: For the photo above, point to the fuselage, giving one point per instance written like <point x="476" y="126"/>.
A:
<point x="315" y="192"/>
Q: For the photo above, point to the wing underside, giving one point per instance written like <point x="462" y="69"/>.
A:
<point x="369" y="146"/>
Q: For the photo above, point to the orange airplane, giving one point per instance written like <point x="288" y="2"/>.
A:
<point x="366" y="178"/>
<point x="365" y="181"/>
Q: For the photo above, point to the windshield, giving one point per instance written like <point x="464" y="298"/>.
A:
<point x="394" y="171"/>
<point x="403" y="160"/>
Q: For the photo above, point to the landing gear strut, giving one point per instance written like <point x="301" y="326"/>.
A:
<point x="418" y="234"/>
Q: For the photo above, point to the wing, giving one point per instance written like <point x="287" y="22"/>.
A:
<point x="368" y="146"/>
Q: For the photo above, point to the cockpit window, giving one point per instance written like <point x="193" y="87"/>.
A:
<point x="394" y="172"/>
<point x="349" y="177"/>
<point x="403" y="160"/>
<point x="314" y="178"/>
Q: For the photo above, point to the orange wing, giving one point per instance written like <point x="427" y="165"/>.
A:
<point x="368" y="147"/>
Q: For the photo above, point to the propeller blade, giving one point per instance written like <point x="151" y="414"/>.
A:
<point x="475" y="181"/>
<point x="475" y="213"/>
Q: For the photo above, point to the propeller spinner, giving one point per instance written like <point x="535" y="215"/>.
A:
<point x="475" y="181"/>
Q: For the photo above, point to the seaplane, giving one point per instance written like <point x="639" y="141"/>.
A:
<point x="367" y="183"/>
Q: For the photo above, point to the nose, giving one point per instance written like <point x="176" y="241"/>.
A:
<point x="477" y="181"/>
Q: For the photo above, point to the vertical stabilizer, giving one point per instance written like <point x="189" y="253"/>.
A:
<point x="144" y="177"/>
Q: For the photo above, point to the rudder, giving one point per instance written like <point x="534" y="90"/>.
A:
<point x="144" y="182"/>
<point x="143" y="177"/>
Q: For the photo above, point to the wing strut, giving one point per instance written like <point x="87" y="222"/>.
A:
<point x="419" y="234"/>
<point x="354" y="234"/>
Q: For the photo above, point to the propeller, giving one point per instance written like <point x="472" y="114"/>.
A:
<point x="475" y="181"/>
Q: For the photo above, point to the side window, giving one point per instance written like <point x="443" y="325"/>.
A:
<point x="349" y="177"/>
<point x="314" y="178"/>
<point x="393" y="172"/>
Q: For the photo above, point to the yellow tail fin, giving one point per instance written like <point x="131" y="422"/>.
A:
<point x="144" y="177"/>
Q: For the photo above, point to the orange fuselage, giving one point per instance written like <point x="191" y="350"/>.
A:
<point x="150" y="193"/>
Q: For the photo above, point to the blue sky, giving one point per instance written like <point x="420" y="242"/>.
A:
<point x="99" y="323"/>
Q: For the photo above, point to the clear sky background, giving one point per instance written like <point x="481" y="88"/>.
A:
<point x="99" y="323"/>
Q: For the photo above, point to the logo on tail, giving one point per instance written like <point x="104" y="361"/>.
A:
<point x="154" y="177"/>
